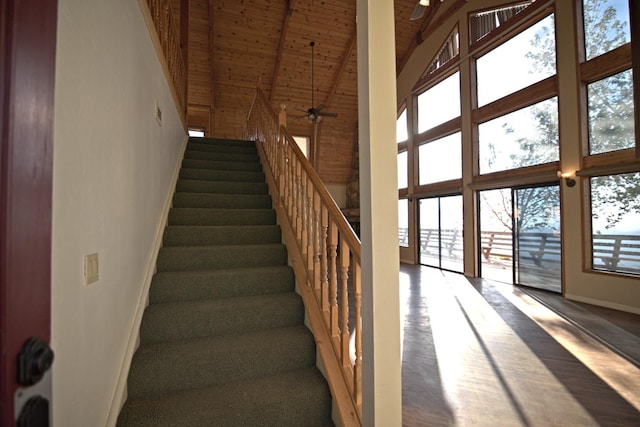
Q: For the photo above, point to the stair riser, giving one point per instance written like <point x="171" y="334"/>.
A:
<point x="221" y="175"/>
<point x="207" y="258"/>
<point x="221" y="157"/>
<point x="185" y="235"/>
<point x="218" y="217"/>
<point x="220" y="187"/>
<point x="191" y="286"/>
<point x="167" y="322"/>
<point x="219" y="148"/>
<point x="211" y="362"/>
<point x="221" y="201"/>
<point x="223" y="166"/>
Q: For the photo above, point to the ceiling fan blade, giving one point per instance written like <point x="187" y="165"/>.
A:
<point x="328" y="114"/>
<point x="418" y="12"/>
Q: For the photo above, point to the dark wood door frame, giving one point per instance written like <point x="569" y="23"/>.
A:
<point x="27" y="74"/>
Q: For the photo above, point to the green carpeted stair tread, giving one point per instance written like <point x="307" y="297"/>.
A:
<point x="216" y="216"/>
<point x="223" y="341"/>
<point x="221" y="157"/>
<point x="196" y="174"/>
<point x="213" y="147"/>
<point x="223" y="283"/>
<point x="296" y="398"/>
<point x="219" y="360"/>
<point x="196" y="319"/>
<point x="222" y="166"/>
<point x="197" y="186"/>
<point x="181" y="258"/>
<point x="209" y="235"/>
<point x="226" y="201"/>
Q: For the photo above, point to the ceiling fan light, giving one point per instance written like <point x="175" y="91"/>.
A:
<point x="424" y="2"/>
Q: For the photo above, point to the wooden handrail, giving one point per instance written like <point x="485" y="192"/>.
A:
<point x="324" y="253"/>
<point x="165" y="31"/>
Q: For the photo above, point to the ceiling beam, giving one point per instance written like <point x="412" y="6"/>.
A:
<point x="343" y="65"/>
<point x="283" y="36"/>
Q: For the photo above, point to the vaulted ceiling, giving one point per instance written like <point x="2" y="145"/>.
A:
<point x="234" y="44"/>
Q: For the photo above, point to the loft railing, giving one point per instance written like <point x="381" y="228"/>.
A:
<point x="324" y="252"/>
<point x="161" y="18"/>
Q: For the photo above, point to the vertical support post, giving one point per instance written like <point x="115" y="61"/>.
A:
<point x="382" y="389"/>
<point x="333" y="279"/>
<point x="344" y="305"/>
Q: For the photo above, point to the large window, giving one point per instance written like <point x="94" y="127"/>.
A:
<point x="402" y="133"/>
<point x="440" y="103"/>
<point x="403" y="181"/>
<point x="611" y="113"/>
<point x="615" y="223"/>
<point x="526" y="137"/>
<point x="525" y="59"/>
<point x="606" y="25"/>
<point x="441" y="160"/>
<point x="614" y="197"/>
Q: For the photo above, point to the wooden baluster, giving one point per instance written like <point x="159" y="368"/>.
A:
<point x="297" y="225"/>
<point x="324" y="265"/>
<point x="290" y="183"/>
<point x="310" y="229"/>
<point x="357" y="365"/>
<point x="344" y="305"/>
<point x="333" y="280"/>
<point x="304" y="220"/>
<point x="316" y="239"/>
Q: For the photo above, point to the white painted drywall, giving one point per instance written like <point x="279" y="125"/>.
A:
<point x="113" y="169"/>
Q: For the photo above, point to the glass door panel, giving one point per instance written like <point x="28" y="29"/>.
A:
<point x="429" y="232"/>
<point x="441" y="232"/>
<point x="537" y="237"/>
<point x="451" y="233"/>
<point x="496" y="231"/>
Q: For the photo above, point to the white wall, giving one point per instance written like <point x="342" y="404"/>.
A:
<point x="113" y="169"/>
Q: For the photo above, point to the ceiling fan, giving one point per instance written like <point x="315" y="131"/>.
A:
<point x="315" y="114"/>
<point x="418" y="10"/>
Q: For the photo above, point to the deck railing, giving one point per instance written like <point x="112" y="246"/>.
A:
<point x="324" y="252"/>
<point x="611" y="252"/>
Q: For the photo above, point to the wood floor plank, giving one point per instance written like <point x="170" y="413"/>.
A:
<point x="479" y="353"/>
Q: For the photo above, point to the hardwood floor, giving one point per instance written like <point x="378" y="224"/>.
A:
<point x="481" y="353"/>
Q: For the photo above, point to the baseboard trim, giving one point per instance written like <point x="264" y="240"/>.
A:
<point x="120" y="391"/>
<point x="601" y="303"/>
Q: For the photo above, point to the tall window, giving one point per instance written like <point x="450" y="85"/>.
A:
<point x="531" y="58"/>
<point x="615" y="224"/>
<point x="402" y="133"/>
<point x="441" y="160"/>
<point x="440" y="103"/>
<point x="526" y="137"/>
<point x="614" y="198"/>
<point x="441" y="232"/>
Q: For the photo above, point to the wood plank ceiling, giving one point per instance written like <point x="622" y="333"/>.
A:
<point x="235" y="43"/>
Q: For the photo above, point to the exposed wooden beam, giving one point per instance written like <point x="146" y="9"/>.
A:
<point x="283" y="36"/>
<point x="343" y="65"/>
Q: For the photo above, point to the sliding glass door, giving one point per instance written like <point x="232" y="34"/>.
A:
<point x="520" y="236"/>
<point x="441" y="232"/>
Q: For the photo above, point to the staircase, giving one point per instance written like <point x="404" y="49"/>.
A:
<point x="222" y="341"/>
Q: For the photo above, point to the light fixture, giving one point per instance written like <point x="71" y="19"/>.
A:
<point x="569" y="178"/>
<point x="424" y="2"/>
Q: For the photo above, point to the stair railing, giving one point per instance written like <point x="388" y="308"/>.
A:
<point x="324" y="253"/>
